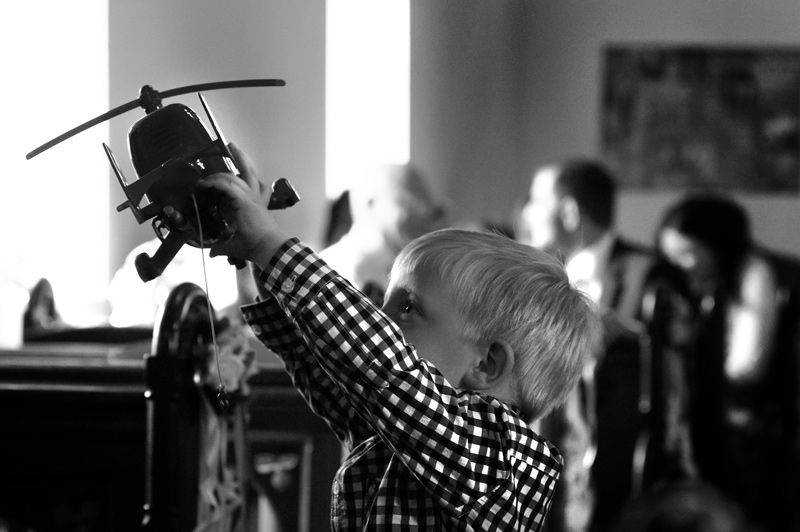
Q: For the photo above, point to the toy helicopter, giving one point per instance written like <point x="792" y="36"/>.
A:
<point x="171" y="150"/>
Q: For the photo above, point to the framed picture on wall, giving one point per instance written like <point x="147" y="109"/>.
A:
<point x="678" y="117"/>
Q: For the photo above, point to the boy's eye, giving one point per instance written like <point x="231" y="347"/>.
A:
<point x="401" y="306"/>
<point x="408" y="308"/>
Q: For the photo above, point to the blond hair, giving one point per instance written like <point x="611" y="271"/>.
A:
<point x="509" y="291"/>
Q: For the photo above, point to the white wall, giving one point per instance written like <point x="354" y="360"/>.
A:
<point x="468" y="90"/>
<point x="565" y="76"/>
<point x="499" y="88"/>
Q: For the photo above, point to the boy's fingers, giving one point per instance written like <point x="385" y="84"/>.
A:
<point x="225" y="183"/>
<point x="245" y="166"/>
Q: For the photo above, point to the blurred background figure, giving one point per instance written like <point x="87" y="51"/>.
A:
<point x="390" y="205"/>
<point x="616" y="417"/>
<point x="134" y="303"/>
<point x="570" y="211"/>
<point x="742" y="379"/>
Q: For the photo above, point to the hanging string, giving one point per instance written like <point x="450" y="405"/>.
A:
<point x="222" y="396"/>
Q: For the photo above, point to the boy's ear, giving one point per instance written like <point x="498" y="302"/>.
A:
<point x="495" y="364"/>
<point x="570" y="213"/>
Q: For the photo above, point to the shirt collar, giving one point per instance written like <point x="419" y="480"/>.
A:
<point x="587" y="267"/>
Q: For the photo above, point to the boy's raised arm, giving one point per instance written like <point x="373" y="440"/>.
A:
<point x="257" y="239"/>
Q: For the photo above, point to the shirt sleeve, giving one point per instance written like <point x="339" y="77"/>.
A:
<point x="465" y="448"/>
<point x="278" y="331"/>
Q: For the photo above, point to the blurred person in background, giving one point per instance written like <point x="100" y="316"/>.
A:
<point x="570" y="211"/>
<point x="742" y="380"/>
<point x="616" y="409"/>
<point x="390" y="205"/>
<point x="135" y="303"/>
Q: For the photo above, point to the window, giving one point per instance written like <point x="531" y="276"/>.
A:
<point x="367" y="86"/>
<point x="55" y="209"/>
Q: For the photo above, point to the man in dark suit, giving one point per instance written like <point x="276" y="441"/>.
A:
<point x="570" y="211"/>
<point x="605" y="429"/>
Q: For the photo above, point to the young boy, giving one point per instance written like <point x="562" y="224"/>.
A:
<point x="478" y="337"/>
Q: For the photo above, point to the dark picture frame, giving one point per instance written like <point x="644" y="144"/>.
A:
<point x="678" y="117"/>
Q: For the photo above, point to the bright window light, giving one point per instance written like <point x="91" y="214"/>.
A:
<point x="367" y="86"/>
<point x="55" y="208"/>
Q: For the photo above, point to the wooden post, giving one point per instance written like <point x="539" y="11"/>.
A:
<point x="172" y="375"/>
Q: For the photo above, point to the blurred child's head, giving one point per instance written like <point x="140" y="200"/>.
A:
<point x="494" y="316"/>
<point x="395" y="201"/>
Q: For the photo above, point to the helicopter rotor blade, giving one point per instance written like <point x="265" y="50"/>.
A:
<point x="165" y="94"/>
<point x="223" y="85"/>
<point x="91" y="123"/>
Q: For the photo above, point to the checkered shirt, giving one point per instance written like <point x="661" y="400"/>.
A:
<point x="424" y="456"/>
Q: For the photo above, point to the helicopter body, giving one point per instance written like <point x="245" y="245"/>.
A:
<point x="171" y="150"/>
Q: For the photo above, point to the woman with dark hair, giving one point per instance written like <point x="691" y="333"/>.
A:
<point x="742" y="404"/>
<point x="709" y="238"/>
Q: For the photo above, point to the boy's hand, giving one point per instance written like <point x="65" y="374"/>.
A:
<point x="257" y="235"/>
